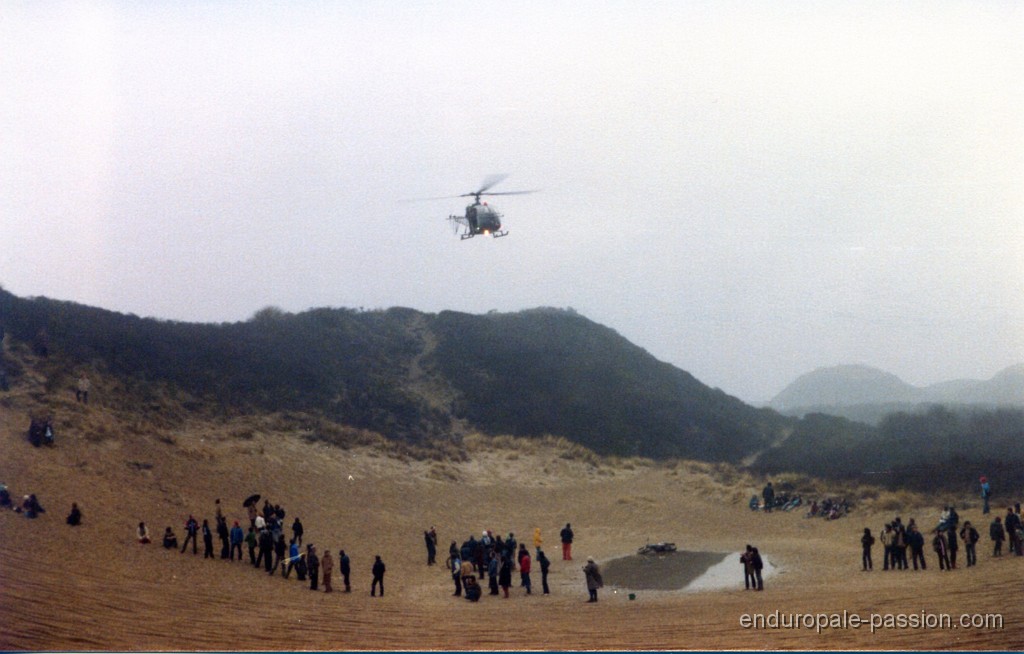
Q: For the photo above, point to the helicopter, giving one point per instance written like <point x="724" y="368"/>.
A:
<point x="481" y="218"/>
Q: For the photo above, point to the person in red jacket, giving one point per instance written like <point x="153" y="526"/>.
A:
<point x="524" y="567"/>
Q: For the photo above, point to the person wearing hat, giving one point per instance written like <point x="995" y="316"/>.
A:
<point x="594" y="580"/>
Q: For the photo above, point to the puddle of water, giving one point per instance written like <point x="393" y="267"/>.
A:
<point x="669" y="571"/>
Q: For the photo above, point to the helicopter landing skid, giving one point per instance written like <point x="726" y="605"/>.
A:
<point x="493" y="234"/>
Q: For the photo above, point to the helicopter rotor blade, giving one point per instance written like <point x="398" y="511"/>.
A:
<point x="489" y="182"/>
<point x="512" y="192"/>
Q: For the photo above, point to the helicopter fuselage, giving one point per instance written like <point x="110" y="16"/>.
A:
<point x="482" y="219"/>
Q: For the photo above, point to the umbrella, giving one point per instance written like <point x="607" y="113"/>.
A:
<point x="252" y="499"/>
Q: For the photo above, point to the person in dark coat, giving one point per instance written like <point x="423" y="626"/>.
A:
<point x="75" y="517"/>
<point x="758" y="565"/>
<point x="970" y="537"/>
<point x="1011" y="523"/>
<point x="866" y="541"/>
<point x="747" y="561"/>
<point x="566" y="535"/>
<point x="769" y="497"/>
<point x="593" y="575"/>
<point x="225" y="537"/>
<point x="266" y="555"/>
<point x="280" y="551"/>
<point x="313" y="565"/>
<point x="939" y="544"/>
<point x="191" y="529"/>
<point x="170" y="540"/>
<point x="544" y="564"/>
<point x="251" y="540"/>
<point x="998" y="535"/>
<point x="915" y="539"/>
<point x="207" y="540"/>
<point x="345" y="567"/>
<point x="378" y="576"/>
<point x="431" y="547"/>
<point x="505" y="575"/>
<point x="297" y="530"/>
<point x="952" y="545"/>
<point x="492" y="572"/>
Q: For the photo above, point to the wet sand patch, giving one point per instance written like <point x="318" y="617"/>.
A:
<point x="668" y="571"/>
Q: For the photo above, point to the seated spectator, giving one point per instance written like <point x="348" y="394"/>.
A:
<point x="75" y="517"/>
<point x="143" y="534"/>
<point x="31" y="507"/>
<point x="5" y="496"/>
<point x="170" y="540"/>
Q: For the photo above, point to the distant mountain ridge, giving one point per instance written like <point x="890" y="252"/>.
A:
<point x="838" y="389"/>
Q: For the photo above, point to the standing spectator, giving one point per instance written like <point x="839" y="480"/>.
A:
<point x="998" y="535"/>
<point x="313" y="565"/>
<point x="345" y="567"/>
<point x="378" y="576"/>
<point x="297" y="530"/>
<point x="293" y="558"/>
<point x="916" y="541"/>
<point x="887" y="543"/>
<point x="224" y="535"/>
<point x="866" y="541"/>
<point x="143" y="534"/>
<point x="327" y="563"/>
<point x="758" y="566"/>
<point x="1011" y="523"/>
<point x="747" y="561"/>
<point x="280" y="549"/>
<point x="505" y="575"/>
<point x="492" y="572"/>
<point x="266" y="555"/>
<point x="544" y="563"/>
<point x="191" y="529"/>
<point x="237" y="538"/>
<point x="594" y="580"/>
<point x="431" y="547"/>
<point x="455" y="561"/>
<point x="986" y="492"/>
<point x="899" y="544"/>
<point x="567" y="536"/>
<point x="769" y="497"/>
<point x="940" y="546"/>
<point x="250" y="540"/>
<point x="82" y="389"/>
<point x="970" y="537"/>
<point x="952" y="545"/>
<point x="207" y="540"/>
<point x="524" y="568"/>
<point x="537" y="540"/>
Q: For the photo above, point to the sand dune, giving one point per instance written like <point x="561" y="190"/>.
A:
<point x="93" y="587"/>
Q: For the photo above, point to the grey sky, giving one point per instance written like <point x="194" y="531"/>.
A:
<point x="748" y="190"/>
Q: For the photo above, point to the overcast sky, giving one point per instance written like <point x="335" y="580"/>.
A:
<point x="748" y="190"/>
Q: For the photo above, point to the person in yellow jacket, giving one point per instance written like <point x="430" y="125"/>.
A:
<point x="537" y="540"/>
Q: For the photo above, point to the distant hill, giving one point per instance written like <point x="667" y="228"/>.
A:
<point x="425" y="381"/>
<point x="867" y="394"/>
<point x="414" y="376"/>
